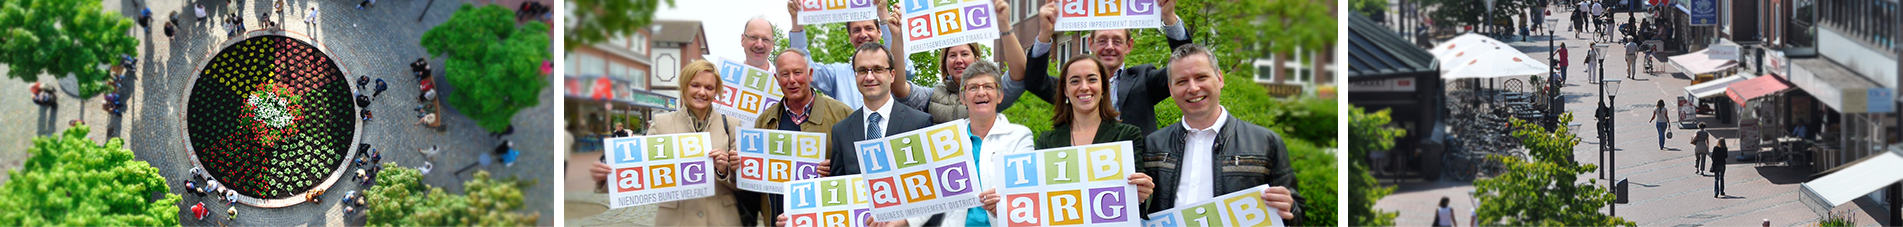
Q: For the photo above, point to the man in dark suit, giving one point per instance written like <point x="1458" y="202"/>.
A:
<point x="1135" y="90"/>
<point x="877" y="118"/>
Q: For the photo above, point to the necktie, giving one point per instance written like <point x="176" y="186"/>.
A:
<point x="872" y="127"/>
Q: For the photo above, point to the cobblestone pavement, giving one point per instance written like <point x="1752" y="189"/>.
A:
<point x="378" y="41"/>
<point x="1664" y="189"/>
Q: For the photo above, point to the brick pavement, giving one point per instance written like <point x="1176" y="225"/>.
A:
<point x="378" y="42"/>
<point x="1664" y="188"/>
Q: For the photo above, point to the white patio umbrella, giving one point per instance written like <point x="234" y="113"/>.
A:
<point x="1476" y="56"/>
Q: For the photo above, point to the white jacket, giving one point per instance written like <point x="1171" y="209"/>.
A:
<point x="1004" y="138"/>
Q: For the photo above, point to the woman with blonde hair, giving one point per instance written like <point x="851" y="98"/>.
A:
<point x="700" y="85"/>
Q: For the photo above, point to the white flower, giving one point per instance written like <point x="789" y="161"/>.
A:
<point x="271" y="109"/>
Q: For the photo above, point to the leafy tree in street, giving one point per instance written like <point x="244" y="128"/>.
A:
<point x="1244" y="31"/>
<point x="63" y="38"/>
<point x="1368" y="132"/>
<point x="594" y="21"/>
<point x="401" y="199"/>
<point x="69" y="181"/>
<point x="1545" y="189"/>
<point x="494" y="65"/>
<point x="1368" y="7"/>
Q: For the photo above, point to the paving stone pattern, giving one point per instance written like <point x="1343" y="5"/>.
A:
<point x="1664" y="188"/>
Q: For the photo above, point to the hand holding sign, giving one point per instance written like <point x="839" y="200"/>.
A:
<point x="1071" y="186"/>
<point x="1240" y="208"/>
<point x="658" y="168"/>
<point x="769" y="158"/>
<point x="1085" y="15"/>
<point x="922" y="172"/>
<point x="934" y="24"/>
<point x="830" y="201"/>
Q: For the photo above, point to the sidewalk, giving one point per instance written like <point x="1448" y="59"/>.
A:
<point x="1664" y="189"/>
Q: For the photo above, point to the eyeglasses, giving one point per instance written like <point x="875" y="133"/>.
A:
<point x="864" y="71"/>
<point x="756" y="38"/>
<point x="1106" y="42"/>
<point x="787" y="73"/>
<point x="981" y="87"/>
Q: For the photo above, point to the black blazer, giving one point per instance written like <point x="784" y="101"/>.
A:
<point x="845" y="156"/>
<point x="1139" y="87"/>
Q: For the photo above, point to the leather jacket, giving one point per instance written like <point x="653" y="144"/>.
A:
<point x="1246" y="156"/>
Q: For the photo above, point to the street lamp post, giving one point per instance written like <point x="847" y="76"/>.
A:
<point x="1554" y="83"/>
<point x="1609" y="88"/>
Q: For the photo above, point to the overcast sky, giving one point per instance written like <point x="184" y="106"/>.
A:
<point x="723" y="20"/>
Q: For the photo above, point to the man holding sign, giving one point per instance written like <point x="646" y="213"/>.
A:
<point x="1211" y="153"/>
<point x="800" y="111"/>
<point x="1134" y="90"/>
<point x="874" y="67"/>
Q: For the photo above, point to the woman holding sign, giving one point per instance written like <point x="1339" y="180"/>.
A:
<point x="1086" y="118"/>
<point x="700" y="85"/>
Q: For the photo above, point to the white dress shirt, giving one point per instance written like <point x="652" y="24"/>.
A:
<point x="885" y="118"/>
<point x="1198" y="179"/>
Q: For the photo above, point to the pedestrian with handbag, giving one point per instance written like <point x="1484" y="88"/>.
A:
<point x="1699" y="142"/>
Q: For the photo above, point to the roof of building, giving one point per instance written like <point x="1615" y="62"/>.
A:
<point x="1373" y="50"/>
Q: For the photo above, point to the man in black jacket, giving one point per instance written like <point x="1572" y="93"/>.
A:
<point x="1211" y="153"/>
<point x="1135" y="90"/>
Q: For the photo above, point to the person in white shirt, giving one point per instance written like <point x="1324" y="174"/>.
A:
<point x="1444" y="216"/>
<point x="1599" y="21"/>
<point x="1211" y="153"/>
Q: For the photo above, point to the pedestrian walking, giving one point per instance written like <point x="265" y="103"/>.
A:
<point x="362" y="81"/>
<point x="310" y="17"/>
<point x="1591" y="53"/>
<point x="1659" y="118"/>
<point x="1718" y="169"/>
<point x="363" y="101"/>
<point x="1699" y="142"/>
<point x="1631" y="54"/>
<point x="1561" y="62"/>
<point x="198" y="10"/>
<point x="170" y="29"/>
<point x="380" y="87"/>
<point x="1444" y="216"/>
<point x="365" y="3"/>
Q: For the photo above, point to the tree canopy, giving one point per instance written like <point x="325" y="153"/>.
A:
<point x="1368" y="132"/>
<point x="1242" y="31"/>
<point x="69" y="181"/>
<point x="494" y="65"/>
<point x="1545" y="189"/>
<point x="594" y="21"/>
<point x="401" y="199"/>
<point x="63" y="38"/>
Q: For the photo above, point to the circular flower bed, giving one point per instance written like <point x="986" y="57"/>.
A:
<point x="271" y="116"/>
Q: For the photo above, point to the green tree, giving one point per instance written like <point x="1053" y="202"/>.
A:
<point x="1367" y="7"/>
<point x="594" y="21"/>
<point x="70" y="181"/>
<point x="1456" y="13"/>
<point x="1243" y="31"/>
<point x="63" y="38"/>
<point x="1544" y="190"/>
<point x="401" y="199"/>
<point x="493" y="64"/>
<point x="1368" y="132"/>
